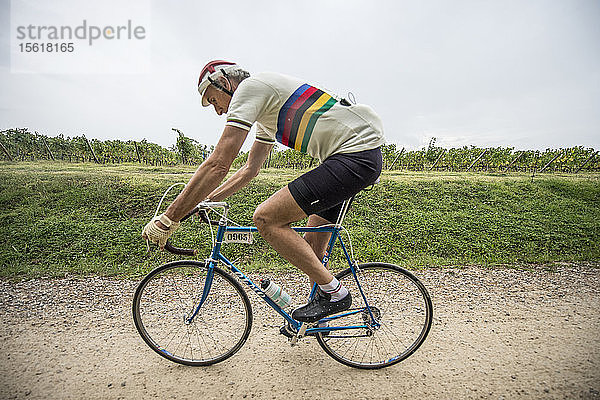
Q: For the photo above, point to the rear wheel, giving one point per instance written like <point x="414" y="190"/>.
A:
<point x="168" y="296"/>
<point x="398" y="318"/>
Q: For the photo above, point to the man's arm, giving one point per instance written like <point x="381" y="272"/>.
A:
<point x="256" y="158"/>
<point x="209" y="174"/>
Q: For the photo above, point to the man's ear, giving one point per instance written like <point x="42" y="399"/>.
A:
<point x="225" y="83"/>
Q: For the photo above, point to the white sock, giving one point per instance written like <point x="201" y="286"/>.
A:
<point x="335" y="289"/>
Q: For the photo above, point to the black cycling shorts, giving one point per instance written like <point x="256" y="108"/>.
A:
<point x="322" y="190"/>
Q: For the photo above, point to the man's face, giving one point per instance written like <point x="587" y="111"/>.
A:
<point x="219" y="99"/>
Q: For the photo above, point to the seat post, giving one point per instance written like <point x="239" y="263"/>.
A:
<point x="344" y="210"/>
<point x="346" y="205"/>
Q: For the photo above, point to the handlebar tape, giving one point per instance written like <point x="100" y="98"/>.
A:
<point x="179" y="251"/>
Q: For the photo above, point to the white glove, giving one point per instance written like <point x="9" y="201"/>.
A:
<point x="156" y="235"/>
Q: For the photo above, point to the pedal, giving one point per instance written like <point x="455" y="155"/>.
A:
<point x="299" y="335"/>
<point x="286" y="330"/>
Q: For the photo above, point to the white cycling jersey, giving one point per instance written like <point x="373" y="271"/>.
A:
<point x="303" y="117"/>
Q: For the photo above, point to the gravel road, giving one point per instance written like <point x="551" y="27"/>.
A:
<point x="497" y="333"/>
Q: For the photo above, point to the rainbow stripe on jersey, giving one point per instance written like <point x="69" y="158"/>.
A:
<point x="299" y="114"/>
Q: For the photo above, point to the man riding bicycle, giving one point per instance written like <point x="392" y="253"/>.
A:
<point x="345" y="137"/>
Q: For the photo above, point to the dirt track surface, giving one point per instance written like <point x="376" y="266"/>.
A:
<point x="498" y="334"/>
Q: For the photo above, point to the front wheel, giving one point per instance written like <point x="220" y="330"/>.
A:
<point x="397" y="319"/>
<point x="167" y="298"/>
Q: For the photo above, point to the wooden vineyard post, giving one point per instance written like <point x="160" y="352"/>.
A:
<point x="477" y="159"/>
<point x="438" y="159"/>
<point x="48" y="148"/>
<point x="137" y="151"/>
<point x="590" y="158"/>
<point x="553" y="159"/>
<point x="514" y="161"/>
<point x="6" y="151"/>
<point x="92" y="150"/>
<point x="537" y="158"/>
<point x="395" y="159"/>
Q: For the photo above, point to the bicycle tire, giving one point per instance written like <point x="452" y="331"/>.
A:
<point x="169" y="294"/>
<point x="401" y="305"/>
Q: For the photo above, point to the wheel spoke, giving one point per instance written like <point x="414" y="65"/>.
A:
<point x="166" y="298"/>
<point x="400" y="305"/>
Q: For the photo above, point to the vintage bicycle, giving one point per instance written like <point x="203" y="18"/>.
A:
<point x="197" y="314"/>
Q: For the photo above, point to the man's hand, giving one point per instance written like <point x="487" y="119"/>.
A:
<point x="156" y="234"/>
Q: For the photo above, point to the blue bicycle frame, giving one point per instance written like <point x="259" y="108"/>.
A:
<point x="217" y="256"/>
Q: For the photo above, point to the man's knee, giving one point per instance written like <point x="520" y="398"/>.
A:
<point x="279" y="210"/>
<point x="261" y="218"/>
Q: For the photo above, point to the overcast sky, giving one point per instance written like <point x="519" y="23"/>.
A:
<point x="522" y="73"/>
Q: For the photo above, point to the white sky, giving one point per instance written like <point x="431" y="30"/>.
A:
<point x="522" y="73"/>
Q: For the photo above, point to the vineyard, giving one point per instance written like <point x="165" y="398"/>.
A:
<point x="22" y="145"/>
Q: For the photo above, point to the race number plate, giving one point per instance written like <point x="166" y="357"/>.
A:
<point x="238" y="237"/>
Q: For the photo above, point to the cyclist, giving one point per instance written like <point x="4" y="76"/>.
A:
<point x="345" y="137"/>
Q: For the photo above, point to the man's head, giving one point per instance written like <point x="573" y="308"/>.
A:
<point x="218" y="80"/>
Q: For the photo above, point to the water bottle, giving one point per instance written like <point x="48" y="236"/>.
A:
<point x="276" y="293"/>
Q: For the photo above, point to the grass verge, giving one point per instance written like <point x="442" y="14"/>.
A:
<point x="78" y="219"/>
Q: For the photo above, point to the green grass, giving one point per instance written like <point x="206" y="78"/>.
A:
<point x="78" y="219"/>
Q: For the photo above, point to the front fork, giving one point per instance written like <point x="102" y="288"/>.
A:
<point x="207" y="285"/>
<point x="210" y="265"/>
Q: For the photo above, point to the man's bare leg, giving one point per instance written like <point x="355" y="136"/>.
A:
<point x="273" y="218"/>
<point x="318" y="241"/>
